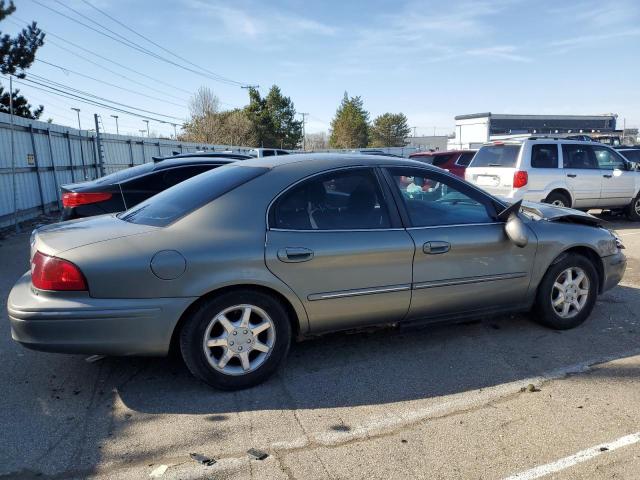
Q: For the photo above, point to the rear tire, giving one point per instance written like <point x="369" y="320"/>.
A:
<point x="558" y="199"/>
<point x="633" y="210"/>
<point x="572" y="281"/>
<point x="236" y="340"/>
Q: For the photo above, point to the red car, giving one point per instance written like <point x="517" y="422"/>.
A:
<point x="454" y="161"/>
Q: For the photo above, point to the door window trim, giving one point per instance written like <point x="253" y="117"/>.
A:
<point x="487" y="201"/>
<point x="394" y="220"/>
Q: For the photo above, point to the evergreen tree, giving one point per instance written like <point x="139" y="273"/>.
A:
<point x="274" y="118"/>
<point x="389" y="130"/>
<point x="350" y="126"/>
<point x="17" y="54"/>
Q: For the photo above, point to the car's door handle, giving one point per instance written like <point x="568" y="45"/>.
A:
<point x="433" y="248"/>
<point x="295" y="254"/>
<point x="606" y="175"/>
<point x="571" y="175"/>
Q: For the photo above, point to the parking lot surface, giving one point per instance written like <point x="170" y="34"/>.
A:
<point x="495" y="398"/>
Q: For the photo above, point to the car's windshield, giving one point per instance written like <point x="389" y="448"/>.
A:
<point x="176" y="202"/>
<point x="496" y="156"/>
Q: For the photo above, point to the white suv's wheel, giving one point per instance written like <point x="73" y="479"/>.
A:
<point x="558" y="199"/>
<point x="633" y="210"/>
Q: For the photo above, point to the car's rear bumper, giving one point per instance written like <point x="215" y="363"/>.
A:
<point x="74" y="322"/>
<point x="614" y="267"/>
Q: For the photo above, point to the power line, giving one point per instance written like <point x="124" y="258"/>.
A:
<point x="48" y="33"/>
<point x="97" y="97"/>
<point x="65" y="69"/>
<point x="137" y="47"/>
<point x="149" y="40"/>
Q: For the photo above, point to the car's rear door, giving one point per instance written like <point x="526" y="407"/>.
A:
<point x="336" y="240"/>
<point x="464" y="262"/>
<point x="618" y="183"/>
<point x="583" y="176"/>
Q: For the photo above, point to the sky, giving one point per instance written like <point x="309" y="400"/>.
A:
<point x="431" y="60"/>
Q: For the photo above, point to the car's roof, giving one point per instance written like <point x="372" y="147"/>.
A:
<point x="188" y="161"/>
<point x="331" y="160"/>
<point x="520" y="141"/>
<point x="441" y="152"/>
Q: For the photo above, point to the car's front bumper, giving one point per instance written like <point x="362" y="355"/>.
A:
<point x="74" y="322"/>
<point x="614" y="267"/>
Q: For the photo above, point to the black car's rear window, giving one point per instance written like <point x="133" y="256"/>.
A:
<point x="126" y="174"/>
<point x="176" y="202"/>
<point x="496" y="156"/>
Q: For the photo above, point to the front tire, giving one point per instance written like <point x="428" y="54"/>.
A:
<point x="567" y="294"/>
<point x="558" y="199"/>
<point x="633" y="210"/>
<point x="236" y="340"/>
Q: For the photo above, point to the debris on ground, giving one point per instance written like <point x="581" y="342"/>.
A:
<point x="603" y="449"/>
<point x="530" y="388"/>
<point x="159" y="471"/>
<point x="403" y="441"/>
<point x="202" y="459"/>
<point x="94" y="358"/>
<point x="256" y="454"/>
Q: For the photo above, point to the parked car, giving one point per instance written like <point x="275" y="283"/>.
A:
<point x="454" y="161"/>
<point x="632" y="154"/>
<point x="233" y="264"/>
<point x="126" y="188"/>
<point x="562" y="172"/>
<point x="267" y="152"/>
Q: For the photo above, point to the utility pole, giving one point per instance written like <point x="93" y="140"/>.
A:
<point x="142" y="131"/>
<point x="100" y="148"/>
<point x="77" y="110"/>
<point x="304" y="134"/>
<point x="147" y="122"/>
<point x="117" y="130"/>
<point x="84" y="171"/>
<point x="414" y="131"/>
<point x="13" y="159"/>
<point x="175" y="132"/>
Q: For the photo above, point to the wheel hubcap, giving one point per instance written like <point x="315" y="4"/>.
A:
<point x="239" y="339"/>
<point x="570" y="292"/>
<point x="636" y="206"/>
<point x="558" y="203"/>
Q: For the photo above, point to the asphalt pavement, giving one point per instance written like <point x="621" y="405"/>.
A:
<point x="494" y="398"/>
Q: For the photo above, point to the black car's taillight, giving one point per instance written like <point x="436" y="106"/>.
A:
<point x="75" y="199"/>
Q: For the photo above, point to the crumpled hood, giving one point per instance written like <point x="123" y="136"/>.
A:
<point x="552" y="213"/>
<point x="60" y="237"/>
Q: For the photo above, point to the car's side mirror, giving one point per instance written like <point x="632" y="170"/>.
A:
<point x="516" y="230"/>
<point x="514" y="227"/>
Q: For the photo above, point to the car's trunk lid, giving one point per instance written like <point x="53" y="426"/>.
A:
<point x="60" y="237"/>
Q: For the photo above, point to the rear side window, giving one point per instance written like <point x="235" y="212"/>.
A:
<point x="496" y="156"/>
<point x="578" y="156"/>
<point x="126" y="174"/>
<point x="544" y="156"/>
<point x="440" y="160"/>
<point x="465" y="159"/>
<point x="178" y="201"/>
<point x="631" y="155"/>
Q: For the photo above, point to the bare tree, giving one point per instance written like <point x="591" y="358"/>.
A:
<point x="316" y="141"/>
<point x="203" y="103"/>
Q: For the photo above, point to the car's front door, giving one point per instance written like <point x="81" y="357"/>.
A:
<point x="583" y="176"/>
<point x="336" y="240"/>
<point x="464" y="262"/>
<point x="618" y="183"/>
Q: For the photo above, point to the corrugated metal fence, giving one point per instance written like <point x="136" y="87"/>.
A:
<point x="48" y="155"/>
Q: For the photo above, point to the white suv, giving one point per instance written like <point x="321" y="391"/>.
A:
<point x="566" y="173"/>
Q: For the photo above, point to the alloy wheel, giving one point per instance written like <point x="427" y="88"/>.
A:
<point x="636" y="206"/>
<point x="570" y="292"/>
<point x="558" y="203"/>
<point x="239" y="339"/>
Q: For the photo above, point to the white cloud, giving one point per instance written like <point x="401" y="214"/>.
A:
<point x="499" y="52"/>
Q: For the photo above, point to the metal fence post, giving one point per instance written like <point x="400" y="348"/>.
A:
<point x="100" y="148"/>
<point x="95" y="156"/>
<point x="53" y="165"/>
<point x="130" y="153"/>
<point x="35" y="161"/>
<point x="73" y="175"/>
<point x="159" y="149"/>
<point x="84" y="165"/>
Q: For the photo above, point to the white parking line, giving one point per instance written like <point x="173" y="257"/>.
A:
<point x="576" y="458"/>
<point x="626" y="234"/>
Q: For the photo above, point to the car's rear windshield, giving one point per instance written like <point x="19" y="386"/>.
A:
<point x="126" y="174"/>
<point x="496" y="156"/>
<point x="176" y="202"/>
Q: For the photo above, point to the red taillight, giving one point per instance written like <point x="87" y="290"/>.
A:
<point x="74" y="199"/>
<point x="52" y="273"/>
<point x="520" y="179"/>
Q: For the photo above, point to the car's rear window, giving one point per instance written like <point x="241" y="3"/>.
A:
<point x="496" y="156"/>
<point x="440" y="160"/>
<point x="176" y="202"/>
<point x="126" y="174"/>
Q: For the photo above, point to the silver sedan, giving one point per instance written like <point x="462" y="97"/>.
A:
<point x="231" y="265"/>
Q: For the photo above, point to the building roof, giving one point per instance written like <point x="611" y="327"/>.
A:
<point x="535" y="117"/>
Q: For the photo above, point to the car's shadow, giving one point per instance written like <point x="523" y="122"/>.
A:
<point x="388" y="366"/>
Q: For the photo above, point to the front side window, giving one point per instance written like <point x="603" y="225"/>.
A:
<point x="345" y="200"/>
<point x="430" y="201"/>
<point x="578" y="156"/>
<point x="544" y="156"/>
<point x="631" y="155"/>
<point x="608" y="159"/>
